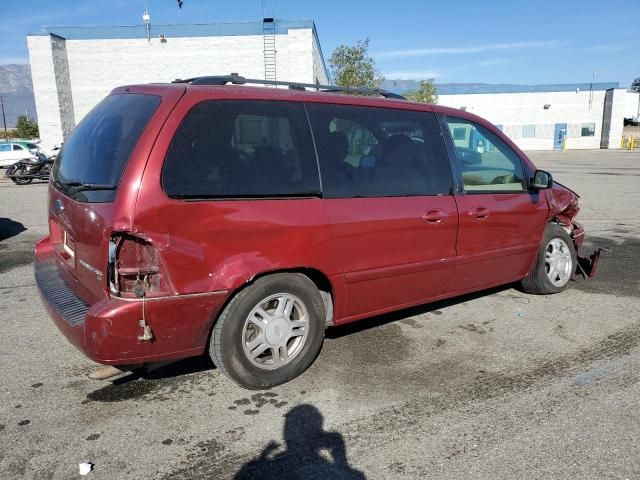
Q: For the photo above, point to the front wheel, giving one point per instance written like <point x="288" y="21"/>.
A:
<point x="270" y="332"/>
<point x="555" y="263"/>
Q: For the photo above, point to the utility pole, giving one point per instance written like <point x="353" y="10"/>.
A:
<point x="4" y="119"/>
<point x="593" y="84"/>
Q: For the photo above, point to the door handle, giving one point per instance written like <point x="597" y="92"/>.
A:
<point x="479" y="213"/>
<point x="433" y="217"/>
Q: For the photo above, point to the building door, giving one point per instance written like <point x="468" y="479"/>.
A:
<point x="559" y="136"/>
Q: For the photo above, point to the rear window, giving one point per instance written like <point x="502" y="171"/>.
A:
<point x="242" y="149"/>
<point x="93" y="158"/>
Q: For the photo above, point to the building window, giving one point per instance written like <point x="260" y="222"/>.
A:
<point x="459" y="133"/>
<point x="588" y="130"/>
<point x="528" y="131"/>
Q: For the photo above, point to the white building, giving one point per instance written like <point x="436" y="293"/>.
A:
<point x="73" y="68"/>
<point x="545" y="117"/>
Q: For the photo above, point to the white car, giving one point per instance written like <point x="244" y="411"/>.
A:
<point x="11" y="152"/>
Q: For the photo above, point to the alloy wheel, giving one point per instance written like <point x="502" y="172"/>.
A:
<point x="275" y="331"/>
<point x="558" y="262"/>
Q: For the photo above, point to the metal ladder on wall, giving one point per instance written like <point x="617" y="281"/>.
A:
<point x="269" y="36"/>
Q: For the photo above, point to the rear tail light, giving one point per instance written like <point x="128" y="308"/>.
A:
<point x="134" y="268"/>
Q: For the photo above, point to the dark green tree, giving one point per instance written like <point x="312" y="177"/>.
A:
<point x="26" y="128"/>
<point x="351" y="66"/>
<point x="426" y="93"/>
<point x="635" y="85"/>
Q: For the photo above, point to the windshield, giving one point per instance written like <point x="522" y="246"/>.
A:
<point x="98" y="149"/>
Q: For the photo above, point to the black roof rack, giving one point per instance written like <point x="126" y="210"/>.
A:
<point x="236" y="79"/>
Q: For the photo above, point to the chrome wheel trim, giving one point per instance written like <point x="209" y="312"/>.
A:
<point x="558" y="263"/>
<point x="275" y="331"/>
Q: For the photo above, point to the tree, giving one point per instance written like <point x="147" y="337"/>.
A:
<point x="7" y="135"/>
<point x="426" y="93"/>
<point x="635" y="85"/>
<point x="353" y="67"/>
<point x="26" y="128"/>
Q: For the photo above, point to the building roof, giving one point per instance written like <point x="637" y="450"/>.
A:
<point x="402" y="86"/>
<point x="107" y="32"/>
<point x="453" y="89"/>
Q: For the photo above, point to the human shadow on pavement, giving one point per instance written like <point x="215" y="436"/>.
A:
<point x="310" y="453"/>
<point x="10" y="228"/>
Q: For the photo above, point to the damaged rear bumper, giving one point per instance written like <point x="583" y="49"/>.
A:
<point x="107" y="331"/>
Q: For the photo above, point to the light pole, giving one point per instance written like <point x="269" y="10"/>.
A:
<point x="146" y="18"/>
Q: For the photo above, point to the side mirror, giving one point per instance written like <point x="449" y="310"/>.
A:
<point x="541" y="180"/>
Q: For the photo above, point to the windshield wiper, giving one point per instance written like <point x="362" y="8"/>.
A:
<point x="83" y="187"/>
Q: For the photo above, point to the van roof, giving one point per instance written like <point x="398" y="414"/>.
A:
<point x="262" y="93"/>
<point x="232" y="85"/>
<point x="235" y="79"/>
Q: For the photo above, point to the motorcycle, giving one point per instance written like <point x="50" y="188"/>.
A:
<point x="25" y="171"/>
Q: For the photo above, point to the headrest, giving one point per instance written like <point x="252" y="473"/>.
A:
<point x="401" y="151"/>
<point x="394" y="142"/>
<point x="337" y="146"/>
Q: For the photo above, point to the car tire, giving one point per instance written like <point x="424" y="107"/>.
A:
<point x="253" y="321"/>
<point x="555" y="264"/>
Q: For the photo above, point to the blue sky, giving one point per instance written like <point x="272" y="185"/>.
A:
<point x="543" y="41"/>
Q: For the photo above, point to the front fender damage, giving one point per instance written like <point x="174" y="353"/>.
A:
<point x="563" y="208"/>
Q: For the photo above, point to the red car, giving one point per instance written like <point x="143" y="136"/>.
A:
<point x="199" y="217"/>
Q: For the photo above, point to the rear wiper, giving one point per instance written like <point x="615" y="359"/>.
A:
<point x="83" y="187"/>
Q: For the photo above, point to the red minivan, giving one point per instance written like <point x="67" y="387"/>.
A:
<point x="241" y="221"/>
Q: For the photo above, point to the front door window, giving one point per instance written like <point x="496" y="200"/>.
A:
<point x="486" y="162"/>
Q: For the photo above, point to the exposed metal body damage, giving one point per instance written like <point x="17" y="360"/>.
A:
<point x="563" y="208"/>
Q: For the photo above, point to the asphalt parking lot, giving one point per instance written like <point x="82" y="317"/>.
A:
<point x="494" y="385"/>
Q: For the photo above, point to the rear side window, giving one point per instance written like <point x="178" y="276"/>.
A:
<point x="18" y="147"/>
<point x="379" y="152"/>
<point x="487" y="164"/>
<point x="5" y="148"/>
<point x="242" y="149"/>
<point x="97" y="150"/>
